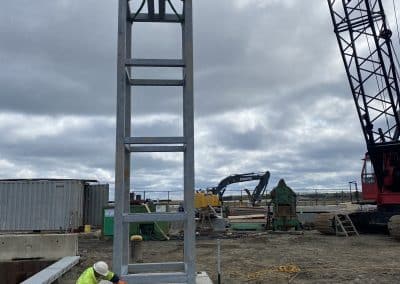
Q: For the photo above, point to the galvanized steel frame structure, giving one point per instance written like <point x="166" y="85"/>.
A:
<point x="169" y="272"/>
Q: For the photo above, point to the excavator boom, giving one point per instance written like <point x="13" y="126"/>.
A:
<point x="263" y="178"/>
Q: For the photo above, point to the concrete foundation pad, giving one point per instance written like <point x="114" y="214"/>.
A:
<point x="202" y="278"/>
<point x="40" y="246"/>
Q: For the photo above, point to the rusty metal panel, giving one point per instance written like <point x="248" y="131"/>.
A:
<point x="96" y="198"/>
<point x="47" y="205"/>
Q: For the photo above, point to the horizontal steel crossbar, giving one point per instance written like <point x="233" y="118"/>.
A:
<point x="155" y="62"/>
<point x="155" y="140"/>
<point x="151" y="278"/>
<point x="153" y="217"/>
<point x="155" y="82"/>
<point x="155" y="148"/>
<point x="167" y="18"/>
<point x="159" y="267"/>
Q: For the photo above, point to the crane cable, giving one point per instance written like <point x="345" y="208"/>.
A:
<point x="395" y="70"/>
<point x="393" y="48"/>
<point x="398" y="33"/>
<point x="397" y="21"/>
<point x="397" y="61"/>
<point x="382" y="98"/>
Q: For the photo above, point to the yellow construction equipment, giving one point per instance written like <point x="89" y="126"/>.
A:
<point x="205" y="199"/>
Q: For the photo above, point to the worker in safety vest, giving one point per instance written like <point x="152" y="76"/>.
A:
<point x="99" y="271"/>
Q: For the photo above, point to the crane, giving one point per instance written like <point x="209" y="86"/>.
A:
<point x="370" y="61"/>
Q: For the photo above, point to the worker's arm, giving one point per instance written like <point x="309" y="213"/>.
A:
<point x="112" y="277"/>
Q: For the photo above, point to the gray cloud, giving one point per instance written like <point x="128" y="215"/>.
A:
<point x="270" y="94"/>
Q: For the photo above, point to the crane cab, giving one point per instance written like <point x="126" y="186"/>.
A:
<point x="368" y="181"/>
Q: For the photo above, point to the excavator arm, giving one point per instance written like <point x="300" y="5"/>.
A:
<point x="259" y="190"/>
<point x="263" y="178"/>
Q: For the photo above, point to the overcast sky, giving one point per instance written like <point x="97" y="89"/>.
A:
<point x="270" y="94"/>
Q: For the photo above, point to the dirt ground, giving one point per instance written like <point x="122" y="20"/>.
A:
<point x="256" y="257"/>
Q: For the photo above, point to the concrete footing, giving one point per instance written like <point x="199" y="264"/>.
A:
<point x="38" y="246"/>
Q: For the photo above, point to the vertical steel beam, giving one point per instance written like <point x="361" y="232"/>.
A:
<point x="188" y="131"/>
<point x="127" y="168"/>
<point x="121" y="156"/>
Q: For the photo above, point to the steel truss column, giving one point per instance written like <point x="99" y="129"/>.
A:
<point x="170" y="272"/>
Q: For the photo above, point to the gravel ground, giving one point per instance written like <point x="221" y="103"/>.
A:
<point x="272" y="258"/>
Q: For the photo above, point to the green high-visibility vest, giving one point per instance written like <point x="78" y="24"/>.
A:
<point x="88" y="277"/>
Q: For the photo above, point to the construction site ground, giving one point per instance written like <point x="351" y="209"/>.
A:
<point x="260" y="257"/>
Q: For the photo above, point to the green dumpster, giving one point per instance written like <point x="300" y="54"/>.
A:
<point x="148" y="230"/>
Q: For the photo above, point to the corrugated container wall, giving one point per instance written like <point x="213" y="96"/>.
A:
<point x="96" y="198"/>
<point x="41" y="205"/>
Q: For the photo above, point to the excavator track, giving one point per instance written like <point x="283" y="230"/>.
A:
<point x="325" y="224"/>
<point x="394" y="226"/>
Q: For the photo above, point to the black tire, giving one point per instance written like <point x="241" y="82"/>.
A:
<point x="394" y="227"/>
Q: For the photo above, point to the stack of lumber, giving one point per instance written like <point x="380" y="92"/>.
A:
<point x="239" y="211"/>
<point x="253" y="218"/>
<point x="251" y="222"/>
